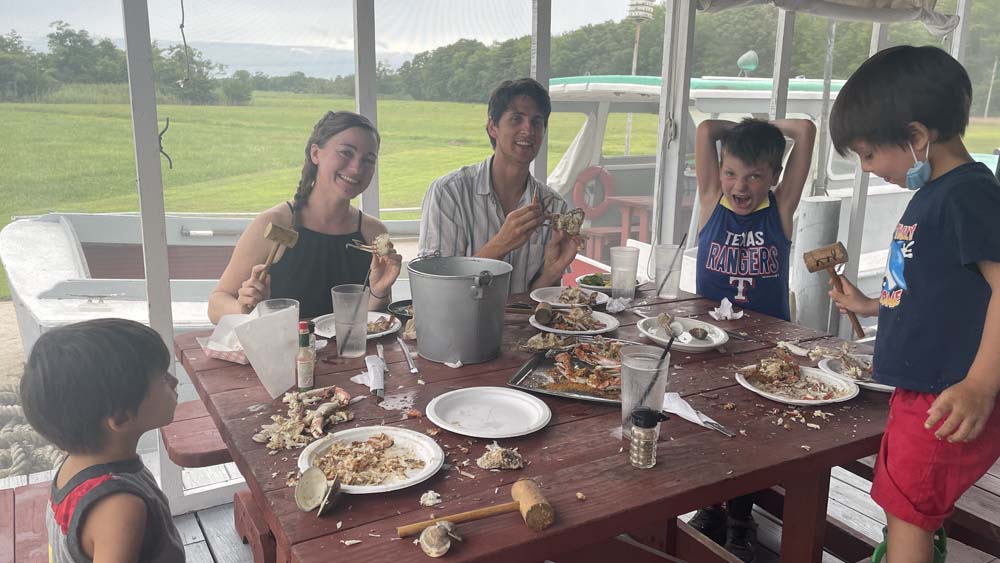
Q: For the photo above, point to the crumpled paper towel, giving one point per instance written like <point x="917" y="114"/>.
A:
<point x="617" y="305"/>
<point x="374" y="376"/>
<point x="270" y="343"/>
<point x="724" y="311"/>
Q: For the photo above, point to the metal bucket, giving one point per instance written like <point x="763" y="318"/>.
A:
<point x="458" y="305"/>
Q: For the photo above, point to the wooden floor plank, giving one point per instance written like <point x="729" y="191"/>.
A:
<point x="198" y="553"/>
<point x="202" y="476"/>
<point x="220" y="533"/>
<point x="188" y="528"/>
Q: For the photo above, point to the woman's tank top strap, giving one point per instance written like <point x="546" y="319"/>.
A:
<point x="744" y="258"/>
<point x="290" y="207"/>
<point x="360" y="217"/>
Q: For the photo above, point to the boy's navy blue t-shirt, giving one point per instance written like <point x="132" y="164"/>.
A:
<point x="934" y="299"/>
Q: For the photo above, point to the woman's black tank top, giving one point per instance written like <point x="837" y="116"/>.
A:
<point x="316" y="263"/>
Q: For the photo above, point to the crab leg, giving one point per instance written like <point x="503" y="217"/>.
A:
<point x="360" y="245"/>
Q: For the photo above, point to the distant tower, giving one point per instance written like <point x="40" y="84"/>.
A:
<point x="748" y="62"/>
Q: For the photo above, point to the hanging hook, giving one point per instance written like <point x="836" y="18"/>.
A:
<point x="170" y="162"/>
<point x="187" y="62"/>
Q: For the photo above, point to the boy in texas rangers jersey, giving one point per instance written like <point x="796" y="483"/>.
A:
<point x="744" y="237"/>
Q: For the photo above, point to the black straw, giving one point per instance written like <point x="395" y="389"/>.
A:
<point x="680" y="250"/>
<point x="659" y="365"/>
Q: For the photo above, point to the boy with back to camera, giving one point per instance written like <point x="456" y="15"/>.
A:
<point x="744" y="238"/>
<point x="92" y="389"/>
<point x="904" y="112"/>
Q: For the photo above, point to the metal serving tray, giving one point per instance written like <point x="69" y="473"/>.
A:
<point x="532" y="377"/>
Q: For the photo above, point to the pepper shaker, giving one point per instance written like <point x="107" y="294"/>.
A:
<point x="642" y="449"/>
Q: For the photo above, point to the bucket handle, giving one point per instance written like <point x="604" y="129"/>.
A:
<point x="482" y="280"/>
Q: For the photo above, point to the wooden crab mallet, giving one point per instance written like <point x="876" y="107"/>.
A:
<point x="280" y="236"/>
<point x="827" y="258"/>
<point x="535" y="510"/>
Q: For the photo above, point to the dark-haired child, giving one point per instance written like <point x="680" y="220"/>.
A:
<point x="744" y="237"/>
<point x="904" y="112"/>
<point x="92" y="389"/>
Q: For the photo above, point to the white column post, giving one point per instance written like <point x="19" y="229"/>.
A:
<point x="364" y="84"/>
<point x="782" y="64"/>
<point x="859" y="203"/>
<point x="541" y="70"/>
<point x="678" y="44"/>
<point x="824" y="152"/>
<point x="152" y="215"/>
<point x="957" y="39"/>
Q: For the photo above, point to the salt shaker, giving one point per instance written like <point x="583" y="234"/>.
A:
<point x="642" y="450"/>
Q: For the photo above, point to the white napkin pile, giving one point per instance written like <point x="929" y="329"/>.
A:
<point x="617" y="305"/>
<point x="673" y="403"/>
<point x="374" y="376"/>
<point x="724" y="311"/>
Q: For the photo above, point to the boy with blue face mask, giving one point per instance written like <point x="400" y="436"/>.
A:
<point x="939" y="307"/>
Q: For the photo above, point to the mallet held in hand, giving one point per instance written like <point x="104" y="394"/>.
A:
<point x="280" y="236"/>
<point x="827" y="258"/>
<point x="536" y="511"/>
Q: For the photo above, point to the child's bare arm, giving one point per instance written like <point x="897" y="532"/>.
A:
<point x="796" y="174"/>
<point x="114" y="528"/>
<point x="966" y="406"/>
<point x="706" y="165"/>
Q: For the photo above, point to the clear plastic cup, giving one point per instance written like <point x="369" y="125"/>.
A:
<point x="350" y="319"/>
<point x="274" y="305"/>
<point x="644" y="380"/>
<point x="668" y="267"/>
<point x="624" y="266"/>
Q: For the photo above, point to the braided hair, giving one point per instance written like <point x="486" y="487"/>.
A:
<point x="333" y="123"/>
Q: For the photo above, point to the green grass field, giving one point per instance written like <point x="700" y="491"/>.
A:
<point x="79" y="157"/>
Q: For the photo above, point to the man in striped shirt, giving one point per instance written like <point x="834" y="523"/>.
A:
<point x="496" y="209"/>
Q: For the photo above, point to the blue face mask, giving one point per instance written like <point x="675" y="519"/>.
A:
<point x="918" y="174"/>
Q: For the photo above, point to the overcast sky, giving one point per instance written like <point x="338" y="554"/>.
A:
<point x="401" y="25"/>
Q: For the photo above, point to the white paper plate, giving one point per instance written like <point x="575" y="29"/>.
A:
<point x="601" y="288"/>
<point x="833" y="380"/>
<point x="422" y="446"/>
<point x="550" y="295"/>
<point x="488" y="412"/>
<point x="836" y="367"/>
<point x="325" y="325"/>
<point x="610" y="324"/>
<point x="650" y="328"/>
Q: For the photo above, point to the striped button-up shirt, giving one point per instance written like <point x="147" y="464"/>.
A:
<point x="461" y="213"/>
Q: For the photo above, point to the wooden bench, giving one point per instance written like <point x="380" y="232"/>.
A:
<point x="976" y="517"/>
<point x="192" y="439"/>
<point x="23" y="537"/>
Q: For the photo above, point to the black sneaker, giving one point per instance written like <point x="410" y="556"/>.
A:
<point x="711" y="522"/>
<point x="741" y="539"/>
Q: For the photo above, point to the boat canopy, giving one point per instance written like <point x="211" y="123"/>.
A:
<point x="881" y="11"/>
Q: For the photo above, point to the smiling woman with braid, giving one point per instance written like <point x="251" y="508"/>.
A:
<point x="340" y="160"/>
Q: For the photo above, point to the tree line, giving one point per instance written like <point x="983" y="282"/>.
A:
<point x="467" y="70"/>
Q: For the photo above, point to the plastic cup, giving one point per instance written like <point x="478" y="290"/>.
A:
<point x="274" y="305"/>
<point x="624" y="266"/>
<point x="644" y="380"/>
<point x="668" y="267"/>
<point x="350" y="319"/>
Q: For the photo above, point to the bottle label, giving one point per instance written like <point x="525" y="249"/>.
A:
<point x="304" y="373"/>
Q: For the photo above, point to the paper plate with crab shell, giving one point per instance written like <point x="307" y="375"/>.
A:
<point x="326" y="328"/>
<point x="814" y="387"/>
<point x="551" y="296"/>
<point x="836" y="367"/>
<point x="610" y="323"/>
<point x="685" y="333"/>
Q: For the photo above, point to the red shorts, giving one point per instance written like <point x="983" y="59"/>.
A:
<point x="918" y="478"/>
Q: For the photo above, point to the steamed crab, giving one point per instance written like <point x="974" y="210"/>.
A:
<point x="570" y="223"/>
<point x="544" y="341"/>
<point x="301" y="424"/>
<point x="380" y="246"/>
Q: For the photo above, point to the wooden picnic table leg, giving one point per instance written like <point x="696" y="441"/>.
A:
<point x="644" y="231"/>
<point x="804" y="521"/>
<point x="626" y="223"/>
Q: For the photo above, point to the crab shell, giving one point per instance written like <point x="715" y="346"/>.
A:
<point x="435" y="540"/>
<point x="313" y="491"/>
<point x="382" y="245"/>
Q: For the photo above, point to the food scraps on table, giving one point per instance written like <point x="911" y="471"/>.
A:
<point x="301" y="425"/>
<point x="577" y="296"/>
<point x="780" y="375"/>
<point x="381" y="324"/>
<point x="497" y="457"/>
<point x="576" y="319"/>
<point x="596" y="280"/>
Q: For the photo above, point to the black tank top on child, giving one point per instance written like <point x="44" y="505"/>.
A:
<point x="316" y="263"/>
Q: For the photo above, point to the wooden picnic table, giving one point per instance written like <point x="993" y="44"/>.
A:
<point x="576" y="452"/>
<point x="641" y="205"/>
